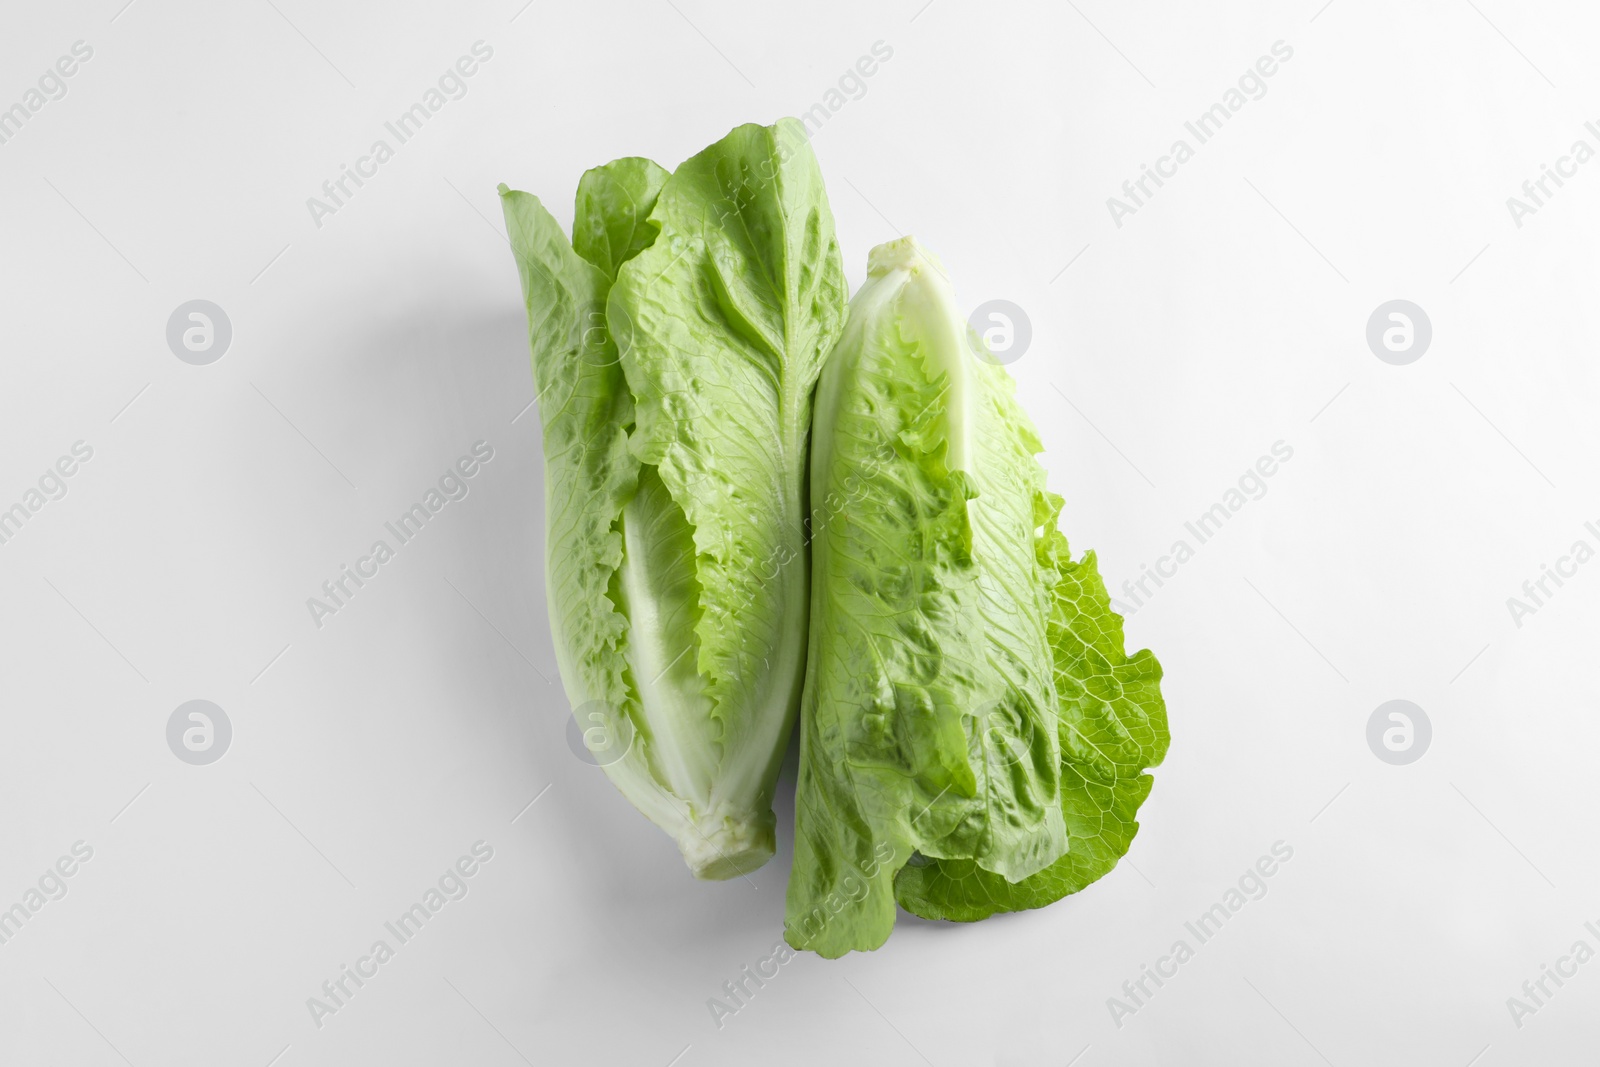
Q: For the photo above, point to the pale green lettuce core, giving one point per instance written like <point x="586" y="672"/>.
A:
<point x="676" y="342"/>
<point x="970" y="738"/>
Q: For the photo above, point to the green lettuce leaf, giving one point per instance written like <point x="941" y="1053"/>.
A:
<point x="612" y="222"/>
<point x="930" y="723"/>
<point x="1113" y="726"/>
<point x="591" y="477"/>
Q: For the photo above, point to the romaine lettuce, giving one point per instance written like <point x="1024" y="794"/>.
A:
<point x="675" y="352"/>
<point x="971" y="735"/>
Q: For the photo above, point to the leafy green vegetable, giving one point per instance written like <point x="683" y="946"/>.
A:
<point x="974" y="737"/>
<point x="929" y="721"/>
<point x="971" y="736"/>
<point x="676" y="342"/>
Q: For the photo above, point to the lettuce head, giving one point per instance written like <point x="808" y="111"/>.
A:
<point x="676" y="342"/>
<point x="973" y="737"/>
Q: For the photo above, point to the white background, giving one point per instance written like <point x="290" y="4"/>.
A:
<point x="368" y="354"/>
